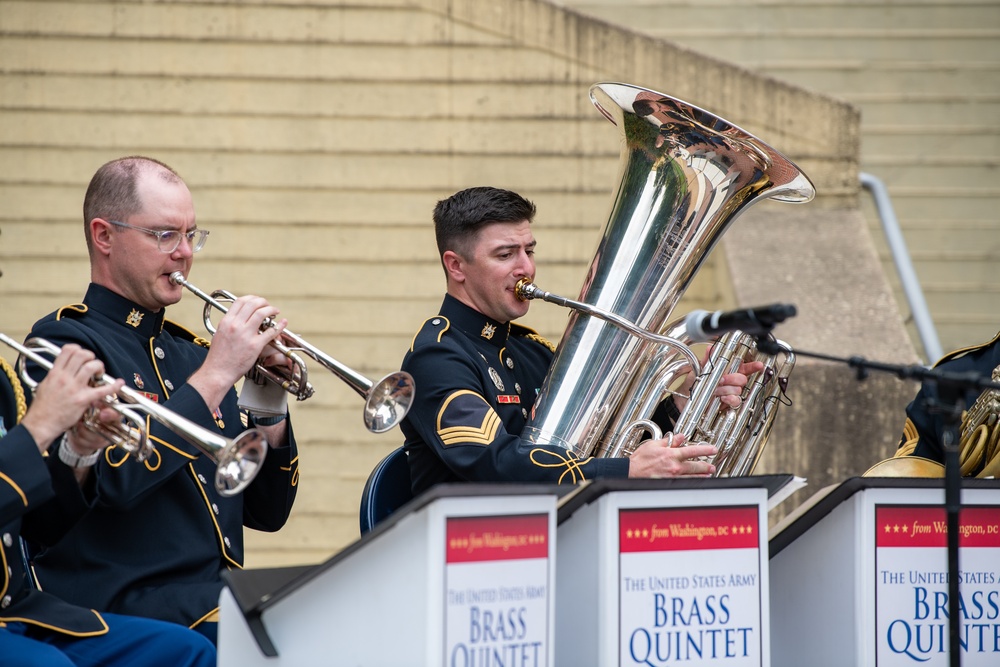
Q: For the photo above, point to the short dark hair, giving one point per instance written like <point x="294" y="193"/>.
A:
<point x="458" y="219"/>
<point x="113" y="193"/>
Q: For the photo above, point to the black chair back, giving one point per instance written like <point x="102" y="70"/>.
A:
<point x="387" y="489"/>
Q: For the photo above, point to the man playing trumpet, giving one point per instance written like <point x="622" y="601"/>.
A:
<point x="158" y="532"/>
<point x="40" y="497"/>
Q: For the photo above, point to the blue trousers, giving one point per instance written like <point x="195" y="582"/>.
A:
<point x="129" y="642"/>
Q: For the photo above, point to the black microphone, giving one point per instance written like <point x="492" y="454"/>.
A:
<point x="701" y="325"/>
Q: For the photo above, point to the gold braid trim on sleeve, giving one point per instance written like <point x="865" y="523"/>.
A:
<point x="573" y="466"/>
<point x="19" y="397"/>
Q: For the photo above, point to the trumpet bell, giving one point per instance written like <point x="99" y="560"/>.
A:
<point x="239" y="462"/>
<point x="388" y="401"/>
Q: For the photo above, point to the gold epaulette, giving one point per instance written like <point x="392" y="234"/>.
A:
<point x="184" y="332"/>
<point x="72" y="309"/>
<point x="431" y="331"/>
<point x="955" y="354"/>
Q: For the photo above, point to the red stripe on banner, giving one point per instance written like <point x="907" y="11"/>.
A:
<point x="484" y="538"/>
<point x="927" y="526"/>
<point x="688" y="528"/>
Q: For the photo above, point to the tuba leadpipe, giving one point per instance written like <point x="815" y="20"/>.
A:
<point x="526" y="290"/>
<point x="386" y="401"/>
<point x="237" y="460"/>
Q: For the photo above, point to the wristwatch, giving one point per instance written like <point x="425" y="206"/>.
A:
<point x="74" y="460"/>
<point x="267" y="421"/>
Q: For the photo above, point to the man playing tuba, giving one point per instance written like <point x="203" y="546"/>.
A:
<point x="478" y="373"/>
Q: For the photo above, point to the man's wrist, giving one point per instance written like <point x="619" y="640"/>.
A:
<point x="261" y="420"/>
<point x="74" y="460"/>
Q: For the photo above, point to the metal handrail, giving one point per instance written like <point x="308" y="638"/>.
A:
<point x="904" y="267"/>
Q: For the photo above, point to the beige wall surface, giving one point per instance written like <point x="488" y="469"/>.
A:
<point x="316" y="137"/>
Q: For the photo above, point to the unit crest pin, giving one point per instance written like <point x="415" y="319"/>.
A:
<point x="496" y="378"/>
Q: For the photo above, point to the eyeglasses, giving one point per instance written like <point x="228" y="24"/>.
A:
<point x="168" y="240"/>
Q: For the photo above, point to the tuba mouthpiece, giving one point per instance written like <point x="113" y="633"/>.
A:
<point x="525" y="290"/>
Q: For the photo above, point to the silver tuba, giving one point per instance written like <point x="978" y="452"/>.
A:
<point x="684" y="176"/>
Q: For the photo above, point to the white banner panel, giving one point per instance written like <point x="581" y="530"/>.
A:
<point x="690" y="586"/>
<point x="911" y="569"/>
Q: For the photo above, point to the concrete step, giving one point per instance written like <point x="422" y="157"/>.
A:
<point x="327" y="98"/>
<point x="968" y="268"/>
<point x="763" y="51"/>
<point x="962" y="332"/>
<point x="927" y="204"/>
<point x="872" y="81"/>
<point x="374" y="63"/>
<point x="948" y="141"/>
<point x="971" y="172"/>
<point x="790" y="17"/>
<point x="975" y="109"/>
<point x="374" y="22"/>
<point x="954" y="238"/>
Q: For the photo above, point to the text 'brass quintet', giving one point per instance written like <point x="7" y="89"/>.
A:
<point x="684" y="176"/>
<point x="386" y="401"/>
<point x="237" y="460"/>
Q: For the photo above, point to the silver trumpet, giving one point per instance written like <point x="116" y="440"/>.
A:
<point x="129" y="434"/>
<point x="237" y="460"/>
<point x="386" y="401"/>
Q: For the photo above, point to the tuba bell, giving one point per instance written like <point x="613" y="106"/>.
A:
<point x="684" y="176"/>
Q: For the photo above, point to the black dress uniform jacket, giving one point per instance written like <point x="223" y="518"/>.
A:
<point x="924" y="430"/>
<point x="476" y="381"/>
<point x="29" y="486"/>
<point x="158" y="534"/>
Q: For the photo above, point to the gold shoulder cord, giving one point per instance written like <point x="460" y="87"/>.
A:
<point x="541" y="339"/>
<point x="22" y="403"/>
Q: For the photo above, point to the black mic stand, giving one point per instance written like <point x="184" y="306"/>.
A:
<point x="955" y="390"/>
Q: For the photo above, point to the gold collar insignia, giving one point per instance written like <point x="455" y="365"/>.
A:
<point x="134" y="318"/>
<point x="488" y="331"/>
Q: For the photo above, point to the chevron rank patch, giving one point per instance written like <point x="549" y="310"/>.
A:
<point x="466" y="418"/>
